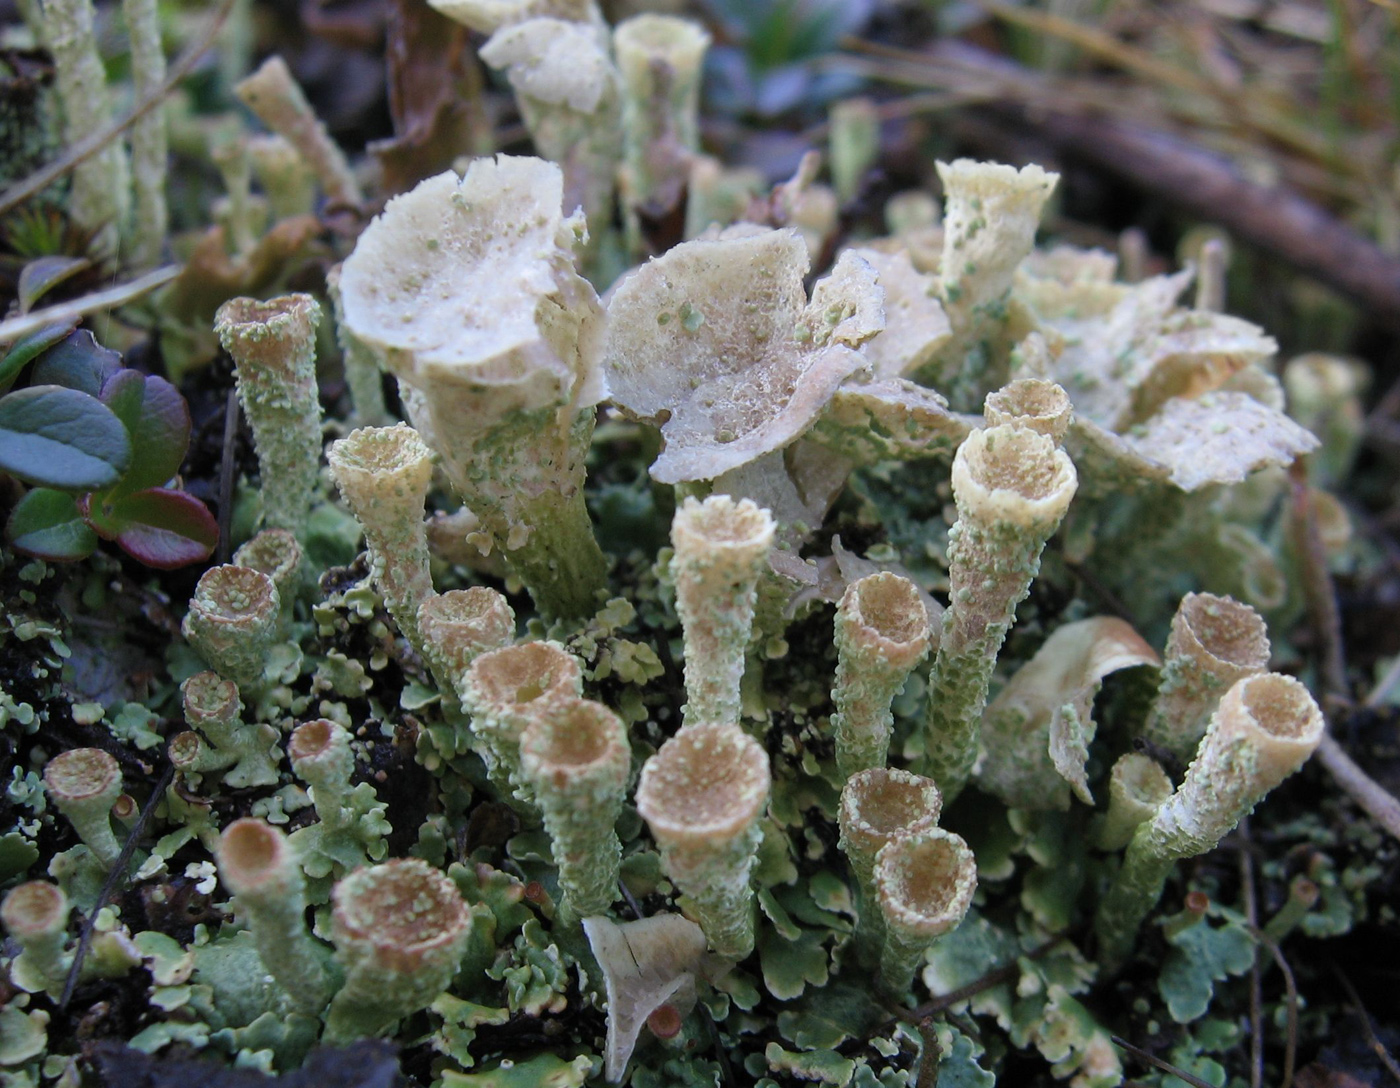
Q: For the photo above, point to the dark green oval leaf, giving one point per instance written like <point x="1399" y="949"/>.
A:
<point x="43" y="274"/>
<point x="47" y="524"/>
<point x="61" y="438"/>
<point x="157" y="422"/>
<point x="26" y="348"/>
<point x="79" y="362"/>
<point x="163" y="528"/>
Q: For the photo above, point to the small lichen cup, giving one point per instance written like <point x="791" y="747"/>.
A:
<point x="924" y="882"/>
<point x="36" y="916"/>
<point x="233" y="621"/>
<point x="84" y="784"/>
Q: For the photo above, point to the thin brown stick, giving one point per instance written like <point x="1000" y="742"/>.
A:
<point x="1159" y="1063"/>
<point x="1373" y="798"/>
<point x="1290" y="1048"/>
<point x="1370" y="1032"/>
<point x="1256" y="988"/>
<point x="45" y="176"/>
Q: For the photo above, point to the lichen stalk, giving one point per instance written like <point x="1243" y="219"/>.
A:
<point x="84" y="784"/>
<point x="660" y="58"/>
<point x="287" y="182"/>
<point x="878" y="805"/>
<point x="1214" y="642"/>
<point x="275" y="96"/>
<point x="575" y="757"/>
<point x="1012" y="487"/>
<point x="232" y="622"/>
<point x="321" y="756"/>
<point x="101" y="195"/>
<point x="721" y="550"/>
<point x="503" y="691"/>
<point x="277" y="553"/>
<point x="36" y="916"/>
<point x="259" y="866"/>
<point x="882" y="633"/>
<point x="924" y="882"/>
<point x="703" y="796"/>
<point x="383" y="474"/>
<point x="150" y="214"/>
<point x="1264" y="729"/>
<point x="212" y="707"/>
<point x="1038" y="405"/>
<point x="400" y="930"/>
<point x="273" y="345"/>
<point x="357" y="362"/>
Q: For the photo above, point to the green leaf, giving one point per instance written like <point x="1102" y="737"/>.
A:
<point x="61" y="438"/>
<point x="48" y="524"/>
<point x="1203" y="955"/>
<point x="42" y="275"/>
<point x="77" y="362"/>
<point x="157" y="423"/>
<point x="162" y="528"/>
<point x="26" y="348"/>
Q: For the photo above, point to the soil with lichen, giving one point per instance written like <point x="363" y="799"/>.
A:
<point x="91" y="656"/>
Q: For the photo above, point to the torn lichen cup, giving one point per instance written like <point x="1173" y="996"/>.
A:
<point x="400" y="930"/>
<point x="259" y="866"/>
<point x="647" y="963"/>
<point x="1033" y="403"/>
<point x="575" y="758"/>
<point x="660" y="58"/>
<point x="1012" y="487"/>
<point x="84" y="784"/>
<point x="721" y="550"/>
<point x="878" y="805"/>
<point x="459" y="626"/>
<point x="703" y="796"/>
<point x="882" y="633"/>
<point x="273" y="345"/>
<point x="383" y="474"/>
<point x="1137" y="787"/>
<point x="466" y="290"/>
<point x="36" y="916"/>
<point x="1264" y="729"/>
<point x="232" y="621"/>
<point x="503" y="691"/>
<point x="1214" y="642"/>
<point x="924" y="882"/>
<point x="716" y="343"/>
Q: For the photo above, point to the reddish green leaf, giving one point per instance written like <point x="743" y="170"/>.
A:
<point x="77" y="362"/>
<point x="27" y="348"/>
<point x="48" y="524"/>
<point x="164" y="528"/>
<point x="157" y="422"/>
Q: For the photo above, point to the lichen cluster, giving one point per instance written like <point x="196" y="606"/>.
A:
<point x="775" y="661"/>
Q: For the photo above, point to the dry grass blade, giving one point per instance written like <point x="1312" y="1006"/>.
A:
<point x="73" y="309"/>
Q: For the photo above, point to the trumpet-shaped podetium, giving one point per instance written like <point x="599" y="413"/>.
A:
<point x="36" y="916"/>
<point x="1214" y="642"/>
<point x="259" y="866"/>
<point x="504" y="690"/>
<point x="924" y="883"/>
<point x="466" y="290"/>
<point x="575" y="757"/>
<point x="703" y="796"/>
<point x="400" y="930"/>
<point x="878" y="805"/>
<point x="383" y="474"/>
<point x="213" y="710"/>
<point x="721" y="550"/>
<point x="84" y="783"/>
<point x="321" y="756"/>
<point x="716" y="343"/>
<point x="273" y="345"/>
<point x="459" y="626"/>
<point x="882" y="633"/>
<point x="277" y="554"/>
<point x="1032" y="403"/>
<point x="1137" y="787"/>
<point x="232" y="621"/>
<point x="1264" y="729"/>
<point x="1011" y="486"/>
<point x="660" y="58"/>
